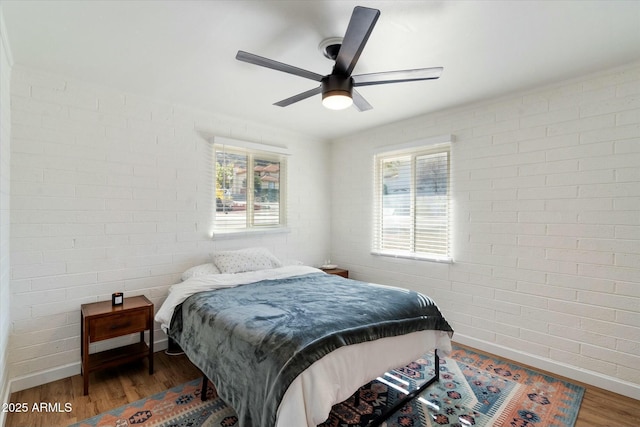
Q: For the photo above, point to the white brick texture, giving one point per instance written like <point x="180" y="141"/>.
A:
<point x="110" y="193"/>
<point x="5" y="203"/>
<point x="546" y="210"/>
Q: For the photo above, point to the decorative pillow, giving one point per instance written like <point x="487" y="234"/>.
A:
<point x="200" y="270"/>
<point x="250" y="259"/>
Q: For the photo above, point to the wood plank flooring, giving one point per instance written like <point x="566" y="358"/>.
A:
<point x="112" y="388"/>
<point x="108" y="389"/>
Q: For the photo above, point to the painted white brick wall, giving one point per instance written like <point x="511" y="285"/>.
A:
<point x="5" y="177"/>
<point x="546" y="224"/>
<point x="111" y="192"/>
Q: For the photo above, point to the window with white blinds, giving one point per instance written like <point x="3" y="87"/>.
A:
<point x="411" y="210"/>
<point x="250" y="189"/>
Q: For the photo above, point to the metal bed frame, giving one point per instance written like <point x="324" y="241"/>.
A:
<point x="376" y="422"/>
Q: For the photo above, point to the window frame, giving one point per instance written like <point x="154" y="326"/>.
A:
<point x="253" y="152"/>
<point x="414" y="150"/>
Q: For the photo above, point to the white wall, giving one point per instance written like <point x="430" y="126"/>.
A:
<point x="5" y="176"/>
<point x="111" y="192"/>
<point x="546" y="225"/>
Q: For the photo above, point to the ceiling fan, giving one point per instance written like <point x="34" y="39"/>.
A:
<point x="337" y="88"/>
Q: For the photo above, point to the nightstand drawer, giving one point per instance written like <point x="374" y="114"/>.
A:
<point x="116" y="325"/>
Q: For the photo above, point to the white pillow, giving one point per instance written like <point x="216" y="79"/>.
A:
<point x="250" y="259"/>
<point x="200" y="270"/>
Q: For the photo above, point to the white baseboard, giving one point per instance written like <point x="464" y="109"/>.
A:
<point x="43" y="377"/>
<point x="596" y="379"/>
<point x="58" y="373"/>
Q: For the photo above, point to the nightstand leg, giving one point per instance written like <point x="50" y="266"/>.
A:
<point x="151" y="349"/>
<point x="205" y="388"/>
<point x="85" y="354"/>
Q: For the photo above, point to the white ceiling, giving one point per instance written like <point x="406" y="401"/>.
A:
<point x="184" y="51"/>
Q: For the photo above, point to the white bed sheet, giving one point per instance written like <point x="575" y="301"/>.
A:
<point x="335" y="377"/>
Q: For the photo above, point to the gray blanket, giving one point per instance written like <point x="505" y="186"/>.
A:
<point x="252" y="341"/>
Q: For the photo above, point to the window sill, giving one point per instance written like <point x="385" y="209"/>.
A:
<point x="416" y="257"/>
<point x="236" y="234"/>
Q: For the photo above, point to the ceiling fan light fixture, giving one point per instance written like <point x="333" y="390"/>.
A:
<point x="336" y="92"/>
<point x="337" y="100"/>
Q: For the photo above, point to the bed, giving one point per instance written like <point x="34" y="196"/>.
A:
<point x="283" y="344"/>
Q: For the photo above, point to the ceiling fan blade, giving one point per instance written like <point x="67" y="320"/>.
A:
<point x="397" y="76"/>
<point x="275" y="65"/>
<point x="299" y="97"/>
<point x="359" y="102"/>
<point x="363" y="19"/>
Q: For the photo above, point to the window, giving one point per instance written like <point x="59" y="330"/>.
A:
<point x="249" y="187"/>
<point x="411" y="212"/>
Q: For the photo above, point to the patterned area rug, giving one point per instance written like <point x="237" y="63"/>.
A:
<point x="474" y="390"/>
<point x="180" y="406"/>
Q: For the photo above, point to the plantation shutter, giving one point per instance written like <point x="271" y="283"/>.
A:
<point x="249" y="188"/>
<point x="411" y="209"/>
<point x="231" y="188"/>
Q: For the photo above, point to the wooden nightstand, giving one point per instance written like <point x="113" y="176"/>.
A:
<point x="337" y="271"/>
<point x="102" y="320"/>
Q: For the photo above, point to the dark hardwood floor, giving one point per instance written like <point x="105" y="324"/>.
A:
<point x="108" y="389"/>
<point x="112" y="388"/>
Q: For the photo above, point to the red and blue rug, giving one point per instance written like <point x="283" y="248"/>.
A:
<point x="474" y="390"/>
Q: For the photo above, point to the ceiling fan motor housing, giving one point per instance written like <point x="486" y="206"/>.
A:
<point x="336" y="85"/>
